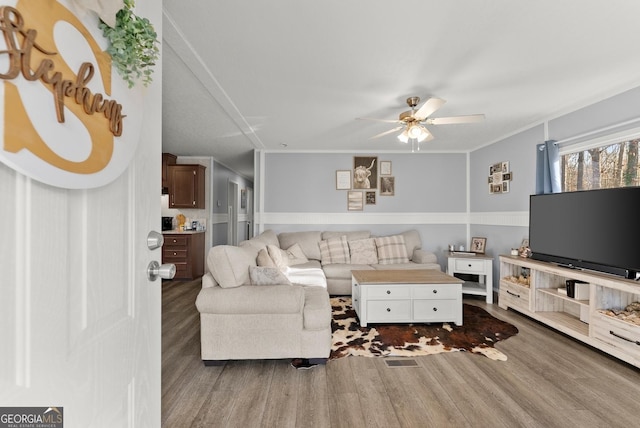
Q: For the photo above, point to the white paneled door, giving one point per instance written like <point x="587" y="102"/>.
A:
<point x="79" y="320"/>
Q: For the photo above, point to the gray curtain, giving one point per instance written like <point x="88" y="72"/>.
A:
<point x="548" y="168"/>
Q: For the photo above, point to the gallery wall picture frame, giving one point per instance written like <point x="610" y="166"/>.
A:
<point x="243" y="198"/>
<point x="499" y="177"/>
<point x="365" y="172"/>
<point x="478" y="245"/>
<point x="370" y="198"/>
<point x="355" y="200"/>
<point x="343" y="179"/>
<point x="387" y="186"/>
<point x="385" y="167"/>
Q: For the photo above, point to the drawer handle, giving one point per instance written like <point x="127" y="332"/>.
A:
<point x="513" y="294"/>
<point x="435" y="291"/>
<point x="388" y="309"/>
<point x="435" y="309"/>
<point x="388" y="291"/>
<point x="175" y="254"/>
<point x="469" y="265"/>
<point x="623" y="338"/>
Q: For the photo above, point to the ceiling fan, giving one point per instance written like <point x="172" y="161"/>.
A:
<point x="413" y="121"/>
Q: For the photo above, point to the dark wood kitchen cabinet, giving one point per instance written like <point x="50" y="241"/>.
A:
<point x="167" y="159"/>
<point x="186" y="186"/>
<point x="186" y="251"/>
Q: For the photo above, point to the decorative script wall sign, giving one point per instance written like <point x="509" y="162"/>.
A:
<point x="61" y="115"/>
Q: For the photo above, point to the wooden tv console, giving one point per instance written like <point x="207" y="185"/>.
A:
<point x="580" y="319"/>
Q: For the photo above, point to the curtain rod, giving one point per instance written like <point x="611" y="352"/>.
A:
<point x="597" y="131"/>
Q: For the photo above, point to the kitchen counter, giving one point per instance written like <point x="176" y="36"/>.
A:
<point x="179" y="232"/>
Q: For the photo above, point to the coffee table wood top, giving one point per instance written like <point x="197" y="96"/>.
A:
<point x="408" y="276"/>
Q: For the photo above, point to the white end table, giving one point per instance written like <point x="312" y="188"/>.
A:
<point x="477" y="264"/>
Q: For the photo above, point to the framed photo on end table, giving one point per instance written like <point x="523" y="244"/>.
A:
<point x="478" y="245"/>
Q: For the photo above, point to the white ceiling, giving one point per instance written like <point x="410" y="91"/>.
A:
<point x="244" y="75"/>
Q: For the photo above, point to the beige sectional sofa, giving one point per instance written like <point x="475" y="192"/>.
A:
<point x="269" y="296"/>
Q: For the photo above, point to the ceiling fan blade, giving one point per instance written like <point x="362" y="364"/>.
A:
<point x="431" y="105"/>
<point x="379" y="120"/>
<point x="472" y="118"/>
<point x="387" y="132"/>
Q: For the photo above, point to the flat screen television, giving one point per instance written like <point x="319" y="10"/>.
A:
<point x="594" y="229"/>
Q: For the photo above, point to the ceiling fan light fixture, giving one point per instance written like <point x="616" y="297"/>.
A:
<point x="415" y="131"/>
<point x="404" y="137"/>
<point x="424" y="135"/>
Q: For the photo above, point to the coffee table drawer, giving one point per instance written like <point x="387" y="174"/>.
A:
<point x="388" y="292"/>
<point x="435" y="310"/>
<point x="436" y="291"/>
<point x="388" y="310"/>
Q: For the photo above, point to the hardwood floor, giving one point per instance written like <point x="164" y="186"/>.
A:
<point x="549" y="380"/>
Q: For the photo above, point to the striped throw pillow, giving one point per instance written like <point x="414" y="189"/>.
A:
<point x="334" y="250"/>
<point x="391" y="249"/>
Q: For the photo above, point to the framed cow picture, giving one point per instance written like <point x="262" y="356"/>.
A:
<point x="365" y="172"/>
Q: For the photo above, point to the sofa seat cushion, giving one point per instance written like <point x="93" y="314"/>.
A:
<point x="317" y="309"/>
<point x="249" y="299"/>
<point x="308" y="241"/>
<point x="342" y="270"/>
<point x="410" y="265"/>
<point x="306" y="276"/>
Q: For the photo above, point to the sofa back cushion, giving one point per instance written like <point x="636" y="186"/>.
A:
<point x="351" y="236"/>
<point x="391" y="249"/>
<point x="334" y="250"/>
<point x="412" y="241"/>
<point x="229" y="265"/>
<point x="260" y="242"/>
<point x="308" y="241"/>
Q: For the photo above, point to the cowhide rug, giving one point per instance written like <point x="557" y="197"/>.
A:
<point x="478" y="334"/>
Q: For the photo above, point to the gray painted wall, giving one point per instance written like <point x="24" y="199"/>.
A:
<point x="519" y="150"/>
<point x="424" y="183"/>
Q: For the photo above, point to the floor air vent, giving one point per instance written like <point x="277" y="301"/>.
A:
<point x="401" y="363"/>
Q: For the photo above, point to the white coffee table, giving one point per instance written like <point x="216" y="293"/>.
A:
<point x="406" y="296"/>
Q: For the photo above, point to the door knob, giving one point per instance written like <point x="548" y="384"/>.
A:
<point x="154" y="240"/>
<point x="165" y="271"/>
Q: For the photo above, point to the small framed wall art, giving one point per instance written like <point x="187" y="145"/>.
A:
<point x="385" y="167"/>
<point x="387" y="186"/>
<point x="365" y="172"/>
<point x="355" y="200"/>
<point x="499" y="178"/>
<point x="370" y="198"/>
<point x="343" y="180"/>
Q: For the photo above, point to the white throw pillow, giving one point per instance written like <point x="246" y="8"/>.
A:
<point x="391" y="249"/>
<point x="290" y="257"/>
<point x="363" y="252"/>
<point x="334" y="250"/>
<point x="264" y="259"/>
<point x="267" y="276"/>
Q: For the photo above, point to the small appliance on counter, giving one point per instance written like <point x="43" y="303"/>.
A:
<point x="167" y="223"/>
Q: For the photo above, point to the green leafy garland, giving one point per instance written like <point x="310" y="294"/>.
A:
<point x="133" y="45"/>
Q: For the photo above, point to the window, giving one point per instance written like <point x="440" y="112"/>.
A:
<point x="603" y="166"/>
